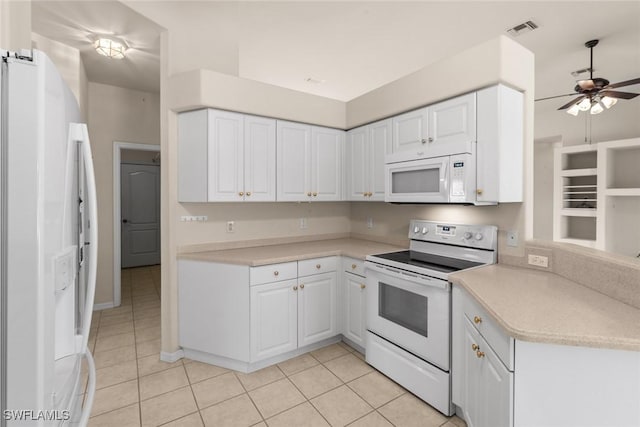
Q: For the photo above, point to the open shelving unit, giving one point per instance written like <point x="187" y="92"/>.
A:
<point x="597" y="196"/>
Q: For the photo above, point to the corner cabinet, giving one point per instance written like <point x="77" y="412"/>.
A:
<point x="366" y="148"/>
<point x="226" y="157"/>
<point x="309" y="165"/>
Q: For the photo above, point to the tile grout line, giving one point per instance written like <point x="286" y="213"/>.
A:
<point x="251" y="398"/>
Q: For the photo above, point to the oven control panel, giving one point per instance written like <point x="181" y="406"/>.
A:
<point x="475" y="236"/>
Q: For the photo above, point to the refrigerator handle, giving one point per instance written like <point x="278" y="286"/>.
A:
<point x="79" y="133"/>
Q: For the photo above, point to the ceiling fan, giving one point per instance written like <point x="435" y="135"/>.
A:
<point x="595" y="94"/>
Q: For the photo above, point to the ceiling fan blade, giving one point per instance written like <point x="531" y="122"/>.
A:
<point x="625" y="83"/>
<point x="573" y="102"/>
<point x="619" y="95"/>
<point x="586" y="84"/>
<point x="557" y="96"/>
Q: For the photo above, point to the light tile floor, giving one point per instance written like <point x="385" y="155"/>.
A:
<point x="331" y="386"/>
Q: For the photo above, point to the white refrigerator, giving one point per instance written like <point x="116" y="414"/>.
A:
<point x="49" y="240"/>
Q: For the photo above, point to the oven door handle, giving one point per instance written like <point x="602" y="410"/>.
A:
<point x="411" y="277"/>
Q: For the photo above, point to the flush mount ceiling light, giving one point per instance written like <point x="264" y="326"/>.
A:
<point x="110" y="47"/>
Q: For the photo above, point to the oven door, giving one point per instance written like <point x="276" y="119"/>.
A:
<point x="418" y="181"/>
<point x="411" y="311"/>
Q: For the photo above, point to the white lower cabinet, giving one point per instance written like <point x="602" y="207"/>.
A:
<point x="289" y="314"/>
<point x="274" y="319"/>
<point x="354" y="289"/>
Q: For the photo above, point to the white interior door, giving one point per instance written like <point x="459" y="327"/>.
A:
<point x="140" y="207"/>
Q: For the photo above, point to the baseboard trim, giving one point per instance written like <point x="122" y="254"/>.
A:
<point x="103" y="306"/>
<point x="171" y="357"/>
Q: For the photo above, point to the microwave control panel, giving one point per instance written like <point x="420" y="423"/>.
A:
<point x="462" y="172"/>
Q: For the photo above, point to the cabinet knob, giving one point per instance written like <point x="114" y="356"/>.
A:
<point x="430" y="139"/>
<point x="241" y="193"/>
<point x="477" y="320"/>
<point x="479" y="191"/>
<point x="301" y="285"/>
<point x="424" y="141"/>
<point x="479" y="354"/>
<point x="275" y="273"/>
<point x="295" y="288"/>
<point x="318" y="266"/>
<point x="353" y="266"/>
<point x="362" y="286"/>
<point x="309" y="194"/>
<point x="248" y="193"/>
<point x="315" y="194"/>
<point x="475" y="347"/>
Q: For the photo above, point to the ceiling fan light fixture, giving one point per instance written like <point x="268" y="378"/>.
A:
<point x="110" y="47"/>
<point x="597" y="108"/>
<point x="584" y="105"/>
<point x="574" y="110"/>
<point x="609" y="102"/>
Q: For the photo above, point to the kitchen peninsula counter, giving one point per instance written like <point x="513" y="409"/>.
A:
<point x="543" y="307"/>
<point x="273" y="254"/>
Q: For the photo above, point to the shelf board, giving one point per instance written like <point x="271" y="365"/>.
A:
<point x="579" y="192"/>
<point x="622" y="192"/>
<point x="579" y="200"/>
<point x="588" y="212"/>
<point x="579" y="172"/>
<point x="580" y="186"/>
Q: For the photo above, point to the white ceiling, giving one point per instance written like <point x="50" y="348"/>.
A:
<point x="358" y="46"/>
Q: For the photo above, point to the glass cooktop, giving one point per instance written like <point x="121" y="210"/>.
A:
<point x="429" y="261"/>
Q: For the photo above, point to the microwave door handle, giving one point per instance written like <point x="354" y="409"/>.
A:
<point x="443" y="178"/>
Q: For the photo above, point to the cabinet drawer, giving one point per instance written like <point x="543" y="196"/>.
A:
<point x="273" y="273"/>
<point x="499" y="341"/>
<point x="352" y="265"/>
<point x="308" y="267"/>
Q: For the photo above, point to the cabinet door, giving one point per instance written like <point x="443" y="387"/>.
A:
<point x="259" y="159"/>
<point x="488" y="396"/>
<point x="410" y="130"/>
<point x="273" y="319"/>
<point x="452" y="124"/>
<point x="379" y="146"/>
<point x="294" y="162"/>
<point x="316" y="308"/>
<point x="226" y="156"/>
<point x="357" y="160"/>
<point x="354" y="300"/>
<point x="327" y="146"/>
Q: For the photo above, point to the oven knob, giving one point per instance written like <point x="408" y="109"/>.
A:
<point x="425" y="230"/>
<point x="467" y="235"/>
<point x="479" y="236"/>
<point x="416" y="229"/>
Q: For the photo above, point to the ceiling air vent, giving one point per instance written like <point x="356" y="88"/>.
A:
<point x="525" y="27"/>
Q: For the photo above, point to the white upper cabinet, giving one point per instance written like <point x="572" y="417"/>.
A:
<point x="309" y="163"/>
<point x="366" y="150"/>
<point x="259" y="159"/>
<point x="452" y="122"/>
<point x="411" y="130"/>
<point x="226" y="157"/>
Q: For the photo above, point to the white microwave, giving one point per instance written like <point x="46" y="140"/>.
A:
<point x="446" y="179"/>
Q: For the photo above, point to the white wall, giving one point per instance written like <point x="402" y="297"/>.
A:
<point x="15" y="25"/>
<point x="123" y="115"/>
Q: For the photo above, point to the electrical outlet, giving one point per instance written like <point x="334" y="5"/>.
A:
<point x="512" y="238"/>
<point x="303" y="223"/>
<point x="231" y="226"/>
<point x="538" y="260"/>
<point x="369" y="222"/>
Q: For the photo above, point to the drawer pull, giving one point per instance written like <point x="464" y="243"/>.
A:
<point x="315" y="194"/>
<point x="295" y="288"/>
<point x="318" y="266"/>
<point x="362" y="286"/>
<point x="353" y="266"/>
<point x="309" y="194"/>
<point x="475" y="347"/>
<point x="477" y="320"/>
<point x="241" y="193"/>
<point x="275" y="273"/>
<point x="301" y="286"/>
<point x="248" y="193"/>
<point x="479" y="354"/>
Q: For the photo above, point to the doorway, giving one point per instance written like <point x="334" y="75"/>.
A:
<point x="136" y="209"/>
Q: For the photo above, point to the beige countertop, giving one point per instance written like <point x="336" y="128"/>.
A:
<point x="544" y="307"/>
<point x="273" y="254"/>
